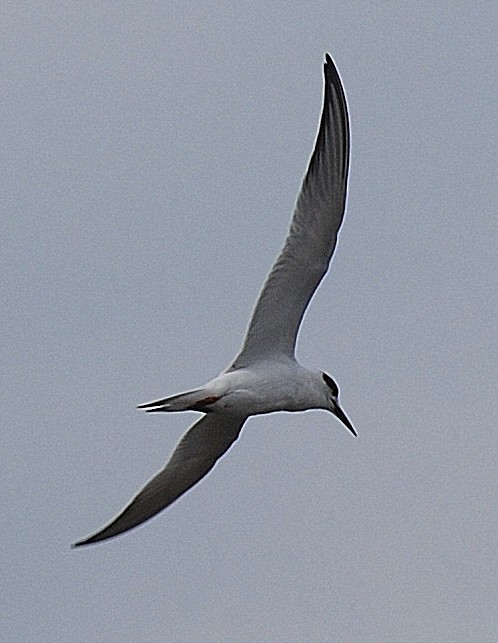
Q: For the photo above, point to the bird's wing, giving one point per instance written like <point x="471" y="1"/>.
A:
<point x="312" y="236"/>
<point x="194" y="456"/>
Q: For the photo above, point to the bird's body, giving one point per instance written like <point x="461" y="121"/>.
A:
<point x="264" y="387"/>
<point x="265" y="377"/>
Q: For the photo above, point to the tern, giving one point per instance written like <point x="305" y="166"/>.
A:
<point x="265" y="376"/>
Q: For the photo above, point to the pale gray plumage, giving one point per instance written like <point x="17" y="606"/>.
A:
<point x="312" y="237"/>
<point x="264" y="377"/>
<point x="194" y="456"/>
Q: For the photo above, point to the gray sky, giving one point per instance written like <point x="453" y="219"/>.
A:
<point x="152" y="153"/>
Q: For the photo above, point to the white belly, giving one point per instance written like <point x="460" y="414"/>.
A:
<point x="265" y="389"/>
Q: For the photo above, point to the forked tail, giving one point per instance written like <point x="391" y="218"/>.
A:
<point x="196" y="400"/>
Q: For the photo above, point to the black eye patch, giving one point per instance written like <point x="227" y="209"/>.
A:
<point x="331" y="384"/>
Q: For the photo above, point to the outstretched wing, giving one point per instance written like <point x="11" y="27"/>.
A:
<point x="194" y="456"/>
<point x="312" y="237"/>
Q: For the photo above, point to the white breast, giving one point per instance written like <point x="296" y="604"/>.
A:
<point x="267" y="387"/>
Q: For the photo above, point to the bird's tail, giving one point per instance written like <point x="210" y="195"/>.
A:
<point x="196" y="400"/>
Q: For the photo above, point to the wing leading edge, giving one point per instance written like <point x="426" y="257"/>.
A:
<point x="194" y="456"/>
<point x="312" y="237"/>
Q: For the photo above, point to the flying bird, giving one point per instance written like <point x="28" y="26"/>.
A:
<point x="265" y="376"/>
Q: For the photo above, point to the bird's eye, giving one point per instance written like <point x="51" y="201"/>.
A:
<point x="331" y="384"/>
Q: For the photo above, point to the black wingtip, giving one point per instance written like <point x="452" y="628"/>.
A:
<point x="330" y="68"/>
<point x="91" y="540"/>
<point x="329" y="64"/>
<point x="332" y="74"/>
<point x="79" y="543"/>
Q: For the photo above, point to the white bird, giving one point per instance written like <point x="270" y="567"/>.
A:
<point x="265" y="376"/>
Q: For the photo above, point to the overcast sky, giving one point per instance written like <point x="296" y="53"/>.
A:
<point x="151" y="156"/>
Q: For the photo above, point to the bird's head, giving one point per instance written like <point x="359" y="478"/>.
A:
<point x="333" y="406"/>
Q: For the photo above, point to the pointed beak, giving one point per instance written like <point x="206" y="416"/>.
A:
<point x="340" y="415"/>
